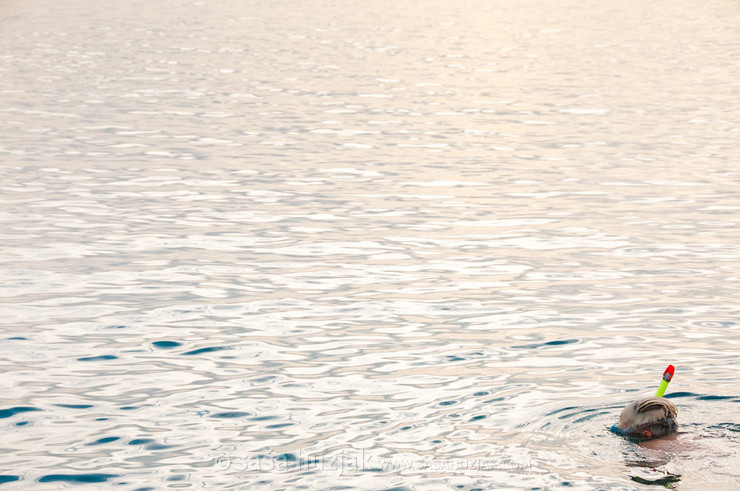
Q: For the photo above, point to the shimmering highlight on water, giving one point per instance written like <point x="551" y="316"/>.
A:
<point x="366" y="245"/>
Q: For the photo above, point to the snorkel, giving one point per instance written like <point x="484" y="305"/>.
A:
<point x="667" y="376"/>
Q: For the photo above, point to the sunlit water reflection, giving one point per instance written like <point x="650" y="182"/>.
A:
<point x="373" y="245"/>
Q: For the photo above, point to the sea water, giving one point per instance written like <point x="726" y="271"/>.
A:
<point x="367" y="244"/>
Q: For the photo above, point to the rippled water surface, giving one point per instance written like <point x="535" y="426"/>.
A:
<point x="367" y="245"/>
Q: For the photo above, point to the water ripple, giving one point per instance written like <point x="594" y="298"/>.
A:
<point x="366" y="246"/>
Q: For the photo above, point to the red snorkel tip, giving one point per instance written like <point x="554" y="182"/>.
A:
<point x="668" y="374"/>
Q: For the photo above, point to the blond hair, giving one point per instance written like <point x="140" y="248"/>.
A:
<point x="655" y="414"/>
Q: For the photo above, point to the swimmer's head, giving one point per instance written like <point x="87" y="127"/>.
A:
<point x="651" y="417"/>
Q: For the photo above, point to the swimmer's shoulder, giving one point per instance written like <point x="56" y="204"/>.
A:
<point x="679" y="442"/>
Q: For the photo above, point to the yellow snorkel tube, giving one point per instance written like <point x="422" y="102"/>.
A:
<point x="667" y="376"/>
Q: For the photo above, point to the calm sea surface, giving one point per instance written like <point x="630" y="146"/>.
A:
<point x="373" y="244"/>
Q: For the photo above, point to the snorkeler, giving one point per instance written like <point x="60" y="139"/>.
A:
<point x="658" y="453"/>
<point x="652" y="417"/>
